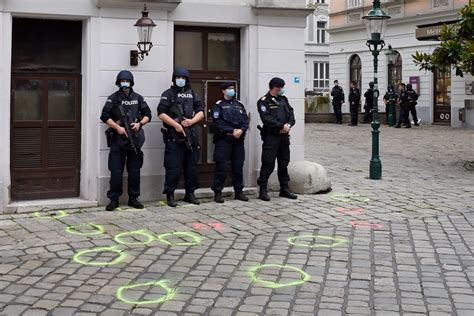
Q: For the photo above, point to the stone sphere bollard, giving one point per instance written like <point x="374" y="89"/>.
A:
<point x="306" y="178"/>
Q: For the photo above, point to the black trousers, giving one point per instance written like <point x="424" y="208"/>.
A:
<point x="412" y="110"/>
<point x="275" y="147"/>
<point x="233" y="150"/>
<point x="404" y="116"/>
<point x="337" y="111"/>
<point x="118" y="159"/>
<point x="179" y="160"/>
<point x="368" y="115"/>
<point x="354" y="114"/>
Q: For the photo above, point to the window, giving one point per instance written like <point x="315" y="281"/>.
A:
<point x="321" y="32"/>
<point x="321" y="76"/>
<point x="395" y="72"/>
<point x="355" y="70"/>
<point x="354" y="4"/>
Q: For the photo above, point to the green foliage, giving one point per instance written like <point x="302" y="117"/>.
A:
<point x="456" y="48"/>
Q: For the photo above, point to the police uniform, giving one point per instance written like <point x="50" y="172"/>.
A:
<point x="275" y="112"/>
<point x="121" y="153"/>
<point x="412" y="97"/>
<point x="338" y="98"/>
<point x="404" y="110"/>
<point x="369" y="103"/>
<point x="181" y="154"/>
<point x="390" y="97"/>
<point x="229" y="115"/>
<point x="354" y="101"/>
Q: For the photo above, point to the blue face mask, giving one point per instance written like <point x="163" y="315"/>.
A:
<point x="181" y="82"/>
<point x="230" y="93"/>
<point x="125" y="85"/>
<point x="281" y="91"/>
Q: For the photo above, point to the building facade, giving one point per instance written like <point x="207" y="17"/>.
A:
<point x="59" y="60"/>
<point x="442" y="95"/>
<point x="317" y="48"/>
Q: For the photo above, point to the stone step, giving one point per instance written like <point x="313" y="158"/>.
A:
<point x="54" y="204"/>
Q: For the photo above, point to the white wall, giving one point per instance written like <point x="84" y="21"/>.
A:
<point x="108" y="37"/>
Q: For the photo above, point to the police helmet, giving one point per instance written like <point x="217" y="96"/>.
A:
<point x="124" y="75"/>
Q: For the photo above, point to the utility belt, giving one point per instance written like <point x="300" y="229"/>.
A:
<point x="219" y="135"/>
<point x="268" y="131"/>
<point x="170" y="135"/>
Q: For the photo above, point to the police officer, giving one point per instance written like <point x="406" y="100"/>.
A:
<point x="404" y="110"/>
<point x="412" y="102"/>
<point x="278" y="118"/>
<point x="125" y="107"/>
<point x="181" y="110"/>
<point x="230" y="126"/>
<point x="369" y="103"/>
<point x="354" y="102"/>
<point x="338" y="99"/>
<point x="390" y="98"/>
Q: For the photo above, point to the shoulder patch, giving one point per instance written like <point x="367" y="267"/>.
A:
<point x="219" y="102"/>
<point x="108" y="100"/>
<point x="164" y="98"/>
<point x="216" y="114"/>
<point x="263" y="108"/>
<point x="263" y="98"/>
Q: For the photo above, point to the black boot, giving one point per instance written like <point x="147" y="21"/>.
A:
<point x="398" y="126"/>
<point x="112" y="205"/>
<point x="239" y="195"/>
<point x="286" y="193"/>
<point x="190" y="198"/>
<point x="218" y="197"/>
<point x="264" y="195"/>
<point x="170" y="200"/>
<point x="133" y="202"/>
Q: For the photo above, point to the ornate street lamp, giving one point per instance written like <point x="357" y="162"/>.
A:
<point x="391" y="55"/>
<point x="376" y="24"/>
<point x="145" y="27"/>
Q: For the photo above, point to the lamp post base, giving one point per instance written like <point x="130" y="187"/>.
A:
<point x="375" y="169"/>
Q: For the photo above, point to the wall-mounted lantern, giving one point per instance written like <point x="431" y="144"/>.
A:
<point x="145" y="27"/>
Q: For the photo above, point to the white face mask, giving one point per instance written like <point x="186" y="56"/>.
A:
<point x="125" y="85"/>
<point x="181" y="82"/>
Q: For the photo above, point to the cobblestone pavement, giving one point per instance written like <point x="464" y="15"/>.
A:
<point x="400" y="246"/>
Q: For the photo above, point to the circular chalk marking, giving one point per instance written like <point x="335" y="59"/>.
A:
<point x="352" y="197"/>
<point x="98" y="229"/>
<point x="336" y="241"/>
<point x="121" y="256"/>
<point x="59" y="214"/>
<point x="195" y="237"/>
<point x="276" y="285"/>
<point x="170" y="292"/>
<point x="366" y="225"/>
<point x="142" y="232"/>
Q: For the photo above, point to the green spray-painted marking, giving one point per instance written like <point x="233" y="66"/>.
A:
<point x="142" y="232"/>
<point x="59" y="214"/>
<point x="336" y="241"/>
<point x="163" y="203"/>
<point x="170" y="292"/>
<point x="121" y="256"/>
<point x="351" y="197"/>
<point x="255" y="271"/>
<point x="197" y="239"/>
<point x="98" y="229"/>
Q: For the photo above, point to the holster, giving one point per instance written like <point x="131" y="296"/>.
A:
<point x="109" y="136"/>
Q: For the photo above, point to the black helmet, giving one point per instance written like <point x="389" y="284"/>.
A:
<point x="409" y="87"/>
<point x="390" y="87"/>
<point x="124" y="75"/>
<point x="371" y="84"/>
<point x="180" y="72"/>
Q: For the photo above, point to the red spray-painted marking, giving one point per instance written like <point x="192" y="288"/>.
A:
<point x="200" y="226"/>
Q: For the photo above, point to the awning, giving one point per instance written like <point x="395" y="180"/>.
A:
<point x="431" y="32"/>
